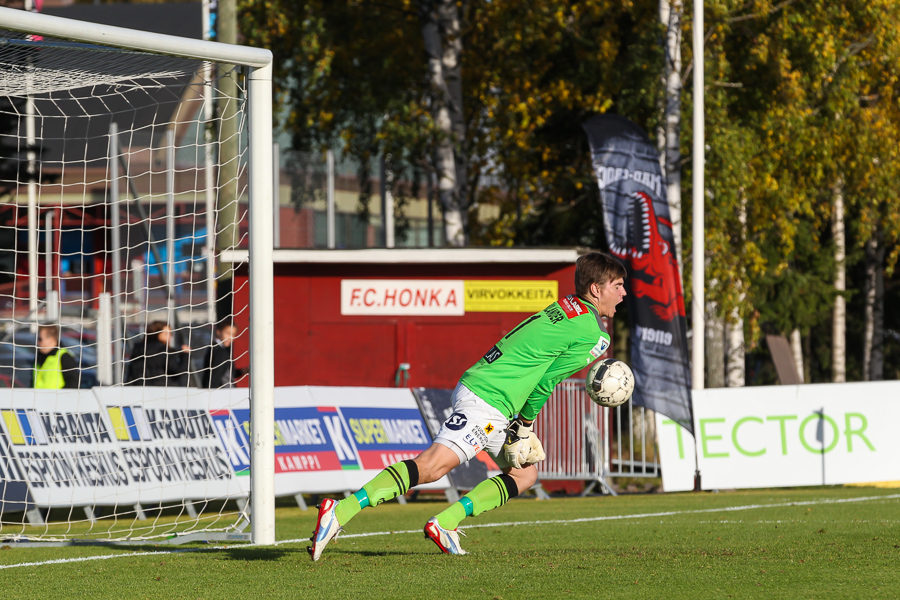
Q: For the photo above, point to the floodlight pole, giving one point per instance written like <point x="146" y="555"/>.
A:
<point x="209" y="173"/>
<point x="170" y="226"/>
<point x="329" y="195"/>
<point x="31" y="156"/>
<point x="698" y="255"/>
<point x="276" y="194"/>
<point x="698" y="194"/>
<point x="116" y="243"/>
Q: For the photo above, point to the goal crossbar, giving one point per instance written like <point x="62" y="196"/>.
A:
<point x="261" y="309"/>
<point x="120" y="37"/>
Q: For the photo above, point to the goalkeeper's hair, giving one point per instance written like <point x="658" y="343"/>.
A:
<point x="596" y="267"/>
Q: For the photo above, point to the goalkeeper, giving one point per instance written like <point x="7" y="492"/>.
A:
<point x="494" y="407"/>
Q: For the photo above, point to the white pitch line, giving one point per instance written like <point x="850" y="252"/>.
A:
<point x="482" y="525"/>
<point x="60" y="561"/>
<point x="620" y="517"/>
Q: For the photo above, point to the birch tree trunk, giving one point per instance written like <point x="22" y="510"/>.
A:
<point x="735" y="369"/>
<point x="443" y="44"/>
<point x="797" y="351"/>
<point x="670" y="15"/>
<point x="839" y="313"/>
<point x="873" y="348"/>
<point x="715" y="347"/>
<point x="735" y="364"/>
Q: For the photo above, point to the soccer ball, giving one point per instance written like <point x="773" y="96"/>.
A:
<point x="610" y="382"/>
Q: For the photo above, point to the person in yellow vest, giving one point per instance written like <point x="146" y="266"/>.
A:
<point x="54" y="367"/>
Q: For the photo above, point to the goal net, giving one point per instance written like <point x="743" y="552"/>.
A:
<point x="129" y="163"/>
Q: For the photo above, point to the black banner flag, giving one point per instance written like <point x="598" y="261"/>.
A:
<point x="639" y="232"/>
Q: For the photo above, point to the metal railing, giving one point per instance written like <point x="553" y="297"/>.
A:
<point x="584" y="441"/>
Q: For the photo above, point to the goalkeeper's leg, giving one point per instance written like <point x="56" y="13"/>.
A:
<point x="488" y="495"/>
<point x="393" y="481"/>
<point x="397" y="479"/>
<point x="430" y="465"/>
<point x="388" y="484"/>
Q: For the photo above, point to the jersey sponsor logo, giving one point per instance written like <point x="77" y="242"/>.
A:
<point x="572" y="307"/>
<point x="492" y="355"/>
<point x="600" y="348"/>
<point x="456" y="421"/>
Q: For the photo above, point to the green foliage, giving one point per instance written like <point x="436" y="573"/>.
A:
<point x="353" y="73"/>
<point x="539" y="70"/>
<point x="800" y="97"/>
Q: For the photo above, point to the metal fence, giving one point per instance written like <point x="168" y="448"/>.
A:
<point x="587" y="442"/>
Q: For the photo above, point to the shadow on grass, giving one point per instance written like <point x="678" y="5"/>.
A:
<point x="267" y="554"/>
<point x="236" y="552"/>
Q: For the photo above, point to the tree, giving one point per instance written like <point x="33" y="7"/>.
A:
<point x="350" y="75"/>
<point x="365" y="75"/>
<point x="788" y="85"/>
<point x="443" y="46"/>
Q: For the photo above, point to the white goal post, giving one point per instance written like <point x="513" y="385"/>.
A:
<point x="258" y="67"/>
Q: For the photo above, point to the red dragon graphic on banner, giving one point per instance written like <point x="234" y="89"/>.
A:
<point x="651" y="257"/>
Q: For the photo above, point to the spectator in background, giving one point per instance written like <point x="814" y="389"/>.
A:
<point x="220" y="371"/>
<point x="153" y="364"/>
<point x="54" y="368"/>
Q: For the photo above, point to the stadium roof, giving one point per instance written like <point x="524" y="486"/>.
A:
<point x="417" y="255"/>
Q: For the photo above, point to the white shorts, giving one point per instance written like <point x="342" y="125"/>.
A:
<point x="474" y="426"/>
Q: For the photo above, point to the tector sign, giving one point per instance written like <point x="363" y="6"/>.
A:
<point x="820" y="434"/>
<point x="402" y="297"/>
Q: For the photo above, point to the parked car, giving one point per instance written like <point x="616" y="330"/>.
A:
<point x="19" y="346"/>
<point x="18" y="349"/>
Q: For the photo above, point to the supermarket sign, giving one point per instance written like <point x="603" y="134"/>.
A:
<point x="327" y="439"/>
<point x="448" y="297"/>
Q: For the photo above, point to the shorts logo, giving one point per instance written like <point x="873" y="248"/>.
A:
<point x="470" y="439"/>
<point x="488" y="428"/>
<point x="492" y="355"/>
<point x="456" y="421"/>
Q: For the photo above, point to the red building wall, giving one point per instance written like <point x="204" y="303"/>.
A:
<point x="316" y="345"/>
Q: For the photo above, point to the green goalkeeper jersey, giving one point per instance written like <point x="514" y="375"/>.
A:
<point x="518" y="374"/>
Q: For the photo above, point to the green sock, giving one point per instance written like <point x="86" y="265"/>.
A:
<point x="487" y="495"/>
<point x="394" y="480"/>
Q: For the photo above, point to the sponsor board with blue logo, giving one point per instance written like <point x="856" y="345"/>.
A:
<point x="13" y="490"/>
<point x="330" y="439"/>
<point x="128" y="445"/>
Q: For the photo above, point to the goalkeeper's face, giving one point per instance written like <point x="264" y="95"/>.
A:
<point x="607" y="296"/>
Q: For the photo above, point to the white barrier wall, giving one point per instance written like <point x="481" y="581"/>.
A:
<point x="815" y="434"/>
<point x="110" y="446"/>
<point x="127" y="445"/>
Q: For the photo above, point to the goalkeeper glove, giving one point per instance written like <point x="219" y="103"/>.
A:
<point x="522" y="446"/>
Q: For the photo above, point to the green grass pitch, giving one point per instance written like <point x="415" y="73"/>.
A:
<point x="827" y="543"/>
